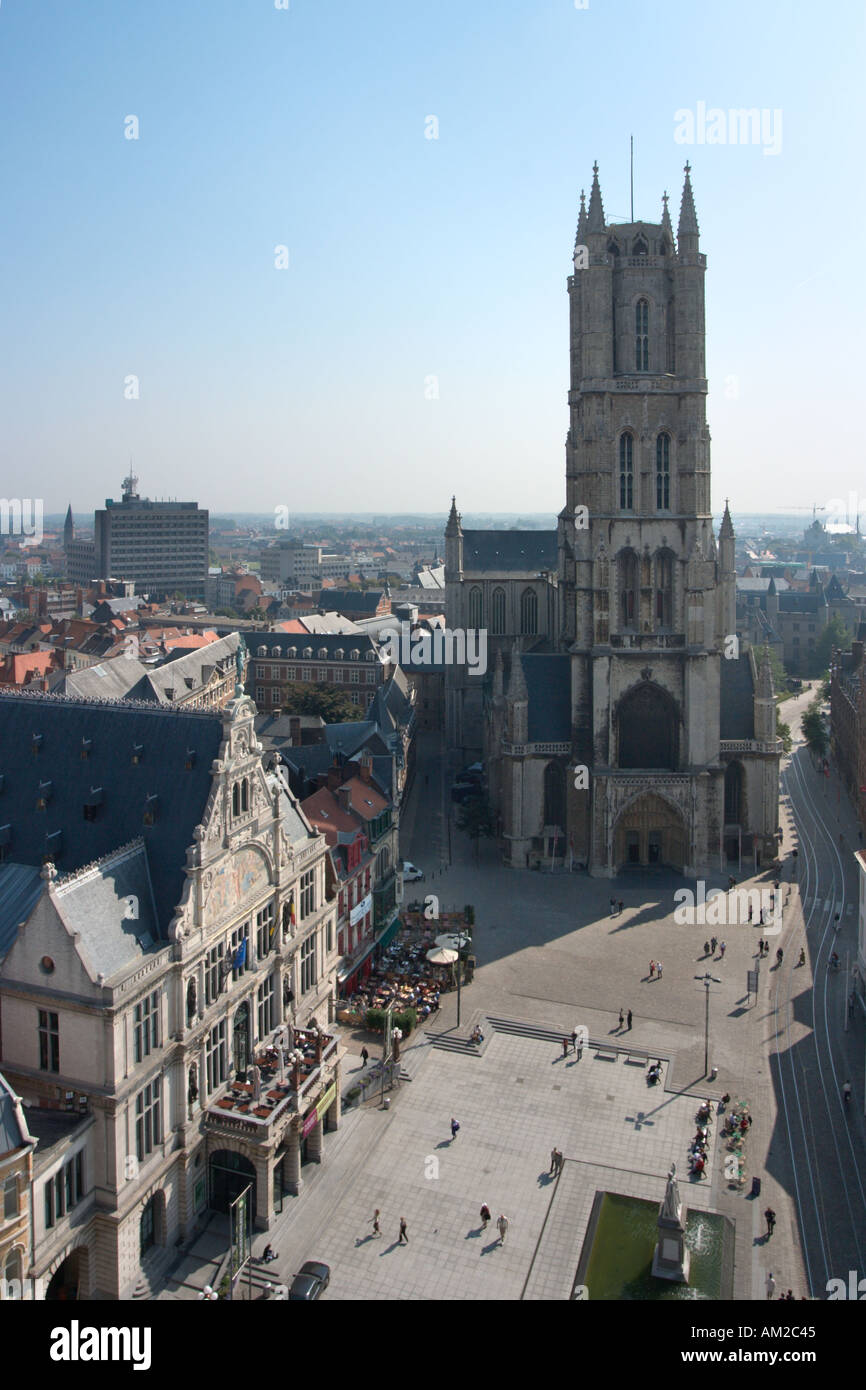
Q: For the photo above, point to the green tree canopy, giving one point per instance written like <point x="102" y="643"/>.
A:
<point x="334" y="706"/>
<point x="835" y="634"/>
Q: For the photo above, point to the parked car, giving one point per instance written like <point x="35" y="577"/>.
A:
<point x="310" y="1282"/>
<point x="411" y="872"/>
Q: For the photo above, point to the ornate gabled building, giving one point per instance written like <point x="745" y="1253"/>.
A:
<point x="622" y="724"/>
<point x="168" y="961"/>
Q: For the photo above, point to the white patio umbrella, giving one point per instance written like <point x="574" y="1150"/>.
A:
<point x="454" y="941"/>
<point x="442" y="955"/>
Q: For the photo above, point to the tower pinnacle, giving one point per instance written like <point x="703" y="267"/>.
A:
<point x="595" y="220"/>
<point x="688" y="230"/>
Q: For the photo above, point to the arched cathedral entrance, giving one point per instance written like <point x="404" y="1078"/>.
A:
<point x="650" y="832"/>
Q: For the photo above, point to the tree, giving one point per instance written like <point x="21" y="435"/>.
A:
<point x="835" y="634"/>
<point x="783" y="731"/>
<point x="334" y="706"/>
<point x="475" y="817"/>
<point x="814" y="731"/>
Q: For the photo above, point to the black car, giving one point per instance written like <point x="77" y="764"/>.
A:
<point x="310" y="1282"/>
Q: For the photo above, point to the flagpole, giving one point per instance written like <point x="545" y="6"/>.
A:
<point x="631" y="175"/>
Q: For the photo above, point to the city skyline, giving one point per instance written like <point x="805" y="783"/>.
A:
<point x="420" y="178"/>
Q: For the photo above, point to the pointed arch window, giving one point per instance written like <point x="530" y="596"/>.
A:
<point x="528" y="611"/>
<point x="640" y="247"/>
<point x="641" y="336"/>
<point x="475" y="607"/>
<point x="236" y="799"/>
<point x="497" y="612"/>
<point x="663" y="473"/>
<point x="626" y="472"/>
<point x="628" y="583"/>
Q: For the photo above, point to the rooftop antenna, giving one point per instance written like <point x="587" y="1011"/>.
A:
<point x="631" y="142"/>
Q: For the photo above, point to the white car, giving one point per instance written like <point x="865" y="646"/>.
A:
<point x="411" y="872"/>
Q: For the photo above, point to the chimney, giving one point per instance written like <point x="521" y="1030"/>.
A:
<point x="295" y="730"/>
<point x="335" y="775"/>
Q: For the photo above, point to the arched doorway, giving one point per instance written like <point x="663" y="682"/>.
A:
<point x="230" y="1173"/>
<point x="647" y="728"/>
<point x="650" y="833"/>
<point x="69" y="1280"/>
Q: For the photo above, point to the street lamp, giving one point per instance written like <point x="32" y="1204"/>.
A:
<point x="706" y="980"/>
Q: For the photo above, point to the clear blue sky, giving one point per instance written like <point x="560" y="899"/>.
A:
<point x="409" y="257"/>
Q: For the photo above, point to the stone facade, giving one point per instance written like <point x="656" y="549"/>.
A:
<point x="618" y="683"/>
<point x="153" y="1023"/>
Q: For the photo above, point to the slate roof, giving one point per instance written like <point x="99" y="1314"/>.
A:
<point x="548" y="684"/>
<point x="519" y="551"/>
<point x="94" y="903"/>
<point x="20" y="886"/>
<point x="13" y="1126"/>
<point x="351" y="600"/>
<point x="279" y="643"/>
<point x="166" y="737"/>
<point x="736" y="699"/>
<point x="801" y="603"/>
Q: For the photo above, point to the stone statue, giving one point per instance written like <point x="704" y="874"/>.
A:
<point x="671" y="1204"/>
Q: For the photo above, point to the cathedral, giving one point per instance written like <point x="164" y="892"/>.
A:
<point x="620" y="721"/>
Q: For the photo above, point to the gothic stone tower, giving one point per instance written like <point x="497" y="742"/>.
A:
<point x="645" y="598"/>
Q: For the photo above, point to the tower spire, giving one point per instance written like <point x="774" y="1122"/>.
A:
<point x="581" y="220"/>
<point x="595" y="220"/>
<point x="688" y="230"/>
<point x="453" y="528"/>
<point x="666" y="218"/>
<point x="726" y="529"/>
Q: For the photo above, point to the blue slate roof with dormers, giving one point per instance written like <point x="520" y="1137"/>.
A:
<point x="518" y="551"/>
<point x="20" y="886"/>
<point x="41" y="743"/>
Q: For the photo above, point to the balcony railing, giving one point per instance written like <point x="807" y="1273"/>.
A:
<point x="236" y="1110"/>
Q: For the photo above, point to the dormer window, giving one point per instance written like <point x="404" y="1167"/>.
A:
<point x="308" y="652"/>
<point x="150" y="805"/>
<point x="86" y="745"/>
<point x="93" y="803"/>
<point x="292" y="652"/>
<point x="354" y="654"/>
<point x="323" y="653"/>
<point x="189" y="764"/>
<point x="263" y="651"/>
<point x="53" y="845"/>
<point x="44" y="796"/>
<point x="369" y="656"/>
<point x="137" y="752"/>
<point x="36" y="744"/>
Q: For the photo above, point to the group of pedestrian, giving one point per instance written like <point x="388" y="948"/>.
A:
<point x="501" y="1222"/>
<point x="655" y="971"/>
<point x="623" y="1017"/>
<point x="789" y="1297"/>
<point x="375" y="1220"/>
<point x="616" y="907"/>
<point x="556" y="1162"/>
<point x="576" y="1046"/>
<point x="763" y="947"/>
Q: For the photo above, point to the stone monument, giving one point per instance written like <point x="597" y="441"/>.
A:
<point x="670" y="1257"/>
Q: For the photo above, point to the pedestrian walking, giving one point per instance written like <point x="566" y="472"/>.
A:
<point x="779" y="956"/>
<point x="574" y="1036"/>
<point x="658" y="969"/>
<point x="652" y="968"/>
<point x="771" y="1286"/>
<point x="365" y="1056"/>
<point x="621" y="1018"/>
<point x="770" y="1218"/>
<point x="485" y="1216"/>
<point x="552" y="1168"/>
<point x="565" y="1047"/>
<point x="723" y="946"/>
<point x="404" y="1239"/>
<point x="579" y="1048"/>
<point x="454" y="1129"/>
<point x="629" y="1019"/>
<point x="559" y="1160"/>
<point x="376" y="1215"/>
<point x="706" y="948"/>
<point x="621" y="904"/>
<point x="714" y="941"/>
<point x="761" y="919"/>
<point x="502" y="1226"/>
<point x="613" y="907"/>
